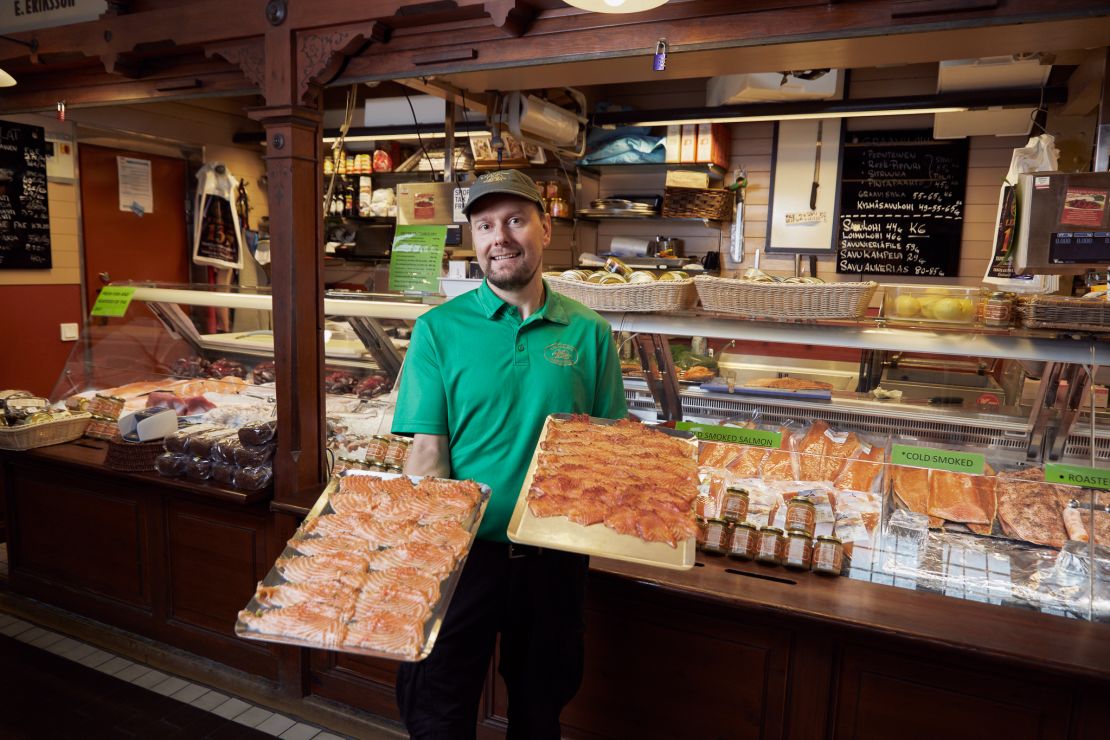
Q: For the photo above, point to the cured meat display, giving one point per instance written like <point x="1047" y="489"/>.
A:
<point x="372" y="571"/>
<point x="652" y="500"/>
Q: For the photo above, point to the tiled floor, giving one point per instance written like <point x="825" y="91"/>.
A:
<point x="62" y="687"/>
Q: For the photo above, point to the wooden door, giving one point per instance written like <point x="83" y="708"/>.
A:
<point x="122" y="244"/>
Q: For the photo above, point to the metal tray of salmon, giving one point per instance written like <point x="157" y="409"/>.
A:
<point x="362" y="576"/>
<point x="560" y="533"/>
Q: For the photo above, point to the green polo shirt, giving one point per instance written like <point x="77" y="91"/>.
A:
<point x="478" y="374"/>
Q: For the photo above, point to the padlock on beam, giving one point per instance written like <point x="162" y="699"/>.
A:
<point x="659" y="63"/>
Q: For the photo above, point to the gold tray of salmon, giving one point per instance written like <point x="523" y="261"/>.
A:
<point x="372" y="568"/>
<point x="615" y="489"/>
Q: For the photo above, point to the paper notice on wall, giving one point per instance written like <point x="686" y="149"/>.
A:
<point x="136" y="191"/>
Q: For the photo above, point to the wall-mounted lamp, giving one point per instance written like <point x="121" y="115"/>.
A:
<point x="6" y="80"/>
<point x="615" y="6"/>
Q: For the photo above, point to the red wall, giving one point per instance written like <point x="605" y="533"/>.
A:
<point x="32" y="355"/>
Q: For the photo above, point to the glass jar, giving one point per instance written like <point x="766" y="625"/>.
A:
<point x="801" y="514"/>
<point x="558" y="208"/>
<point x="376" y="448"/>
<point x="734" y="504"/>
<point x="799" y="550"/>
<point x="617" y="267"/>
<point x="771" y="545"/>
<point x="397" y="451"/>
<point x="998" y="310"/>
<point x="828" y="555"/>
<point x="717" y="535"/>
<point x="745" y="542"/>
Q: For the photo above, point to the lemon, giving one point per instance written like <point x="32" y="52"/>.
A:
<point x="967" y="309"/>
<point x="948" y="309"/>
<point x="937" y="290"/>
<point x="906" y="306"/>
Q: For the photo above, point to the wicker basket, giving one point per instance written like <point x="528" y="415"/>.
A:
<point x="664" y="295"/>
<point x="783" y="301"/>
<point x="697" y="203"/>
<point x="132" y="457"/>
<point x="44" y="433"/>
<point x="1061" y="312"/>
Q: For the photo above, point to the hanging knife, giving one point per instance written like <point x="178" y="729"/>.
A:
<point x="816" y="167"/>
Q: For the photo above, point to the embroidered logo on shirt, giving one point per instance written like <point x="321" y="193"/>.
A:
<point x="561" y="354"/>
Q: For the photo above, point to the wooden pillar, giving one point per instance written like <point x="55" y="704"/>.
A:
<point x="293" y="136"/>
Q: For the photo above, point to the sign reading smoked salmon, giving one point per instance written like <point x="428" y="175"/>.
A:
<point x="737" y="435"/>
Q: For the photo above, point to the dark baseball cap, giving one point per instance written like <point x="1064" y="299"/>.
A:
<point x="507" y="182"/>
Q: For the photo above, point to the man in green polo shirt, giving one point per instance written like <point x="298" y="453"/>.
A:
<point x="483" y="372"/>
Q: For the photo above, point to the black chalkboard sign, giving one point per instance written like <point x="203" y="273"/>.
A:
<point x="24" y="218"/>
<point x="901" y="204"/>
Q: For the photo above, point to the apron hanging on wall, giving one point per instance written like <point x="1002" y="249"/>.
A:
<point x="217" y="238"/>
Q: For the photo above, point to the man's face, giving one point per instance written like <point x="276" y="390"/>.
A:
<point x="509" y="238"/>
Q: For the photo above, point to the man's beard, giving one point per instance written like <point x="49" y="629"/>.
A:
<point x="514" y="280"/>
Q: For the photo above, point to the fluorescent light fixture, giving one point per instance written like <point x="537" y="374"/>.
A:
<point x="6" y="80"/>
<point x="804" y="116"/>
<point x="397" y="137"/>
<point x="615" y="6"/>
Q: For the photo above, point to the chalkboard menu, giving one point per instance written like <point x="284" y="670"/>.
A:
<point x="901" y="204"/>
<point x="24" y="219"/>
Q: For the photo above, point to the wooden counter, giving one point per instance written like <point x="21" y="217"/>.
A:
<point x="727" y="649"/>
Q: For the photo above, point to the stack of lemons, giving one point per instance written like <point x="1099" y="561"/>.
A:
<point x="936" y="304"/>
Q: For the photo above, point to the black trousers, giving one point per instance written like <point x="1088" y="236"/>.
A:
<point x="535" y="602"/>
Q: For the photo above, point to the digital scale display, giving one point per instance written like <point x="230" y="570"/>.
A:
<point x="1067" y="247"/>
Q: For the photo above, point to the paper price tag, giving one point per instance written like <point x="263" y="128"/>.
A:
<point x="112" y="301"/>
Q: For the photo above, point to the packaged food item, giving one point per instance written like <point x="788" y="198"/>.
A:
<point x="397" y="451"/>
<point x="799" y="550"/>
<point x="382" y="161"/>
<point x="772" y="545"/>
<point x="745" y="541"/>
<point x="171" y="464"/>
<point x="198" y="468"/>
<point x="252" y="479"/>
<point x="828" y="555"/>
<point x="179" y="440"/>
<point x="200" y="445"/>
<point x="248" y="456"/>
<point x="376" y="448"/>
<point x="801" y="513"/>
<point x="225" y="447"/>
<point x="734" y="504"/>
<point x="716" y="536"/>
<point x="223" y="472"/>
<point x="258" y="434"/>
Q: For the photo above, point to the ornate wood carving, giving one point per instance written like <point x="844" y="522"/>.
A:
<point x="514" y="17"/>
<point x="122" y="65"/>
<point x="320" y="55"/>
<point x="249" y="55"/>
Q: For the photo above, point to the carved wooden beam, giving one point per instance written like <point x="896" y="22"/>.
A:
<point x="123" y="65"/>
<point x="320" y="55"/>
<point x="514" y="17"/>
<point x="248" y="54"/>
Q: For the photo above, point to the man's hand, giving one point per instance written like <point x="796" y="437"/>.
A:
<point x="429" y="455"/>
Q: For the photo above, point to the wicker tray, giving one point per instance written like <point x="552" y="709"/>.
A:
<point x="45" y="433"/>
<point x="697" y="203"/>
<point x="1061" y="312"/>
<point x="132" y="457"/>
<point x="664" y="295"/>
<point x="780" y="301"/>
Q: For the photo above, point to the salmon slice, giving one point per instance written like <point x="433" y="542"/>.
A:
<point x="747" y="463"/>
<point x="811" y="450"/>
<point x="861" y="472"/>
<point x="549" y="505"/>
<point x="652" y="528"/>
<point x="352" y="503"/>
<point x="402" y="579"/>
<point x="778" y="465"/>
<point x="443" y="511"/>
<point x="288" y="594"/>
<point x="400" y="509"/>
<point x="409" y="603"/>
<point x="320" y="567"/>
<point x="587" y="512"/>
<point x="298" y="623"/>
<point x="622" y="522"/>
<point x="911" y="486"/>
<point x="463" y="490"/>
<point x="955" y="497"/>
<point x="332" y="543"/>
<point x="449" y="534"/>
<point x="388" y="632"/>
<point x="431" y="559"/>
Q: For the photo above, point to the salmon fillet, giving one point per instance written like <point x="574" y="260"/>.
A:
<point x="956" y="497"/>
<point x="861" y="472"/>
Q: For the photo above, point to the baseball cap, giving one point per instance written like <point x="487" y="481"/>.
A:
<point x="508" y="182"/>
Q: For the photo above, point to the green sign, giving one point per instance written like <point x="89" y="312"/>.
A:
<point x="928" y="457"/>
<point x="113" y="300"/>
<point x="417" y="259"/>
<point x="1075" y="475"/>
<point x="738" y="435"/>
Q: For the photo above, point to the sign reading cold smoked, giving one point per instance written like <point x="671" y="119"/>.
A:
<point x="928" y="457"/>
<point x="738" y="435"/>
<point x="901" y="204"/>
<point x="27" y="15"/>
<point x="113" y="300"/>
<point x="1075" y="475"/>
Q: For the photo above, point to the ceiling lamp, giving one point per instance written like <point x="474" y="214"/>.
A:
<point x="6" y="80"/>
<point x="615" y="6"/>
